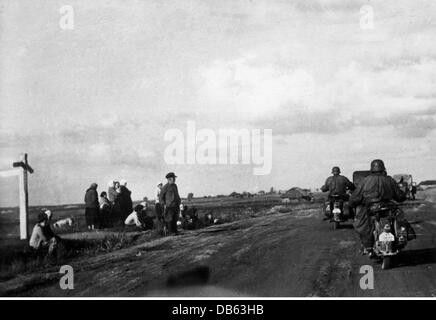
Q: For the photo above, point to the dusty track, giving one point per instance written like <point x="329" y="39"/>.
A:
<point x="282" y="254"/>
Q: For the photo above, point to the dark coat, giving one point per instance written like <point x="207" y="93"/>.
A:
<point x="377" y="188"/>
<point x="91" y="198"/>
<point x="337" y="185"/>
<point x="169" y="196"/>
<point x="123" y="203"/>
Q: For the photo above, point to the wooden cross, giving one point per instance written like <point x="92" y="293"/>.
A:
<point x="20" y="169"/>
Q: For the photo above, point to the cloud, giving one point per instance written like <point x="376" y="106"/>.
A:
<point x="414" y="126"/>
<point x="250" y="87"/>
<point x="291" y="100"/>
<point x="328" y="5"/>
<point x="95" y="102"/>
<point x="296" y="120"/>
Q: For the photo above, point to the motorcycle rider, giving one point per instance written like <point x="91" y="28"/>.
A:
<point x="338" y="185"/>
<point x="377" y="188"/>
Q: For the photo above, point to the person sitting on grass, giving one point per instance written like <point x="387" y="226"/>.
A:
<point x="189" y="217"/>
<point x="43" y="237"/>
<point x="139" y="217"/>
<point x="208" y="219"/>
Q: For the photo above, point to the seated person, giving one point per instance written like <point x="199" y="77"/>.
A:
<point x="208" y="219"/>
<point x="43" y="237"/>
<point x="133" y="218"/>
<point x="189" y="218"/>
<point x="139" y="218"/>
<point x="147" y="220"/>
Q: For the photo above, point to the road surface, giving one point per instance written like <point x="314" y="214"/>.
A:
<point x="287" y="254"/>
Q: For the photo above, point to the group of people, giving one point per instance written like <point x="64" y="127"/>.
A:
<point x="169" y="211"/>
<point x="116" y="205"/>
<point x="110" y="207"/>
<point x="377" y="188"/>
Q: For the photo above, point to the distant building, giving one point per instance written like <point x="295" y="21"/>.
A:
<point x="297" y="193"/>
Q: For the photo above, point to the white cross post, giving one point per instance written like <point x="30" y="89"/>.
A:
<point x="20" y="169"/>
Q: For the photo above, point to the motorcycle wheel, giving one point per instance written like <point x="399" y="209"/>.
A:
<point x="387" y="263"/>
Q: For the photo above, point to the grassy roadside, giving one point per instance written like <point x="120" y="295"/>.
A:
<point x="20" y="259"/>
<point x="16" y="258"/>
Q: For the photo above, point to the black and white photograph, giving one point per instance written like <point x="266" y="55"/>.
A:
<point x="217" y="149"/>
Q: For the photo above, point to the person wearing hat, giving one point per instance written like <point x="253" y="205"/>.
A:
<point x="170" y="201"/>
<point x="92" y="206"/>
<point x="375" y="189"/>
<point x="337" y="185"/>
<point x="42" y="235"/>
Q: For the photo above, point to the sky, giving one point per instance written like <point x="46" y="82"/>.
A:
<point x="93" y="103"/>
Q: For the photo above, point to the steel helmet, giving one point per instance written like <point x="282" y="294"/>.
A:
<point x="336" y="170"/>
<point x="377" y="166"/>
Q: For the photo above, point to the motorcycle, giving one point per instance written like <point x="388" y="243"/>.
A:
<point x="389" y="234"/>
<point x="337" y="215"/>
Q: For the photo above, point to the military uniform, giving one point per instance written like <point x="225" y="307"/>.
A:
<point x="375" y="189"/>
<point x="338" y="185"/>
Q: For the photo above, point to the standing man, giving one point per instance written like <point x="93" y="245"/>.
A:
<point x="338" y="185"/>
<point x="92" y="206"/>
<point x="170" y="200"/>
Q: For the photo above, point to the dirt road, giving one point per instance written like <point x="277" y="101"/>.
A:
<point x="286" y="254"/>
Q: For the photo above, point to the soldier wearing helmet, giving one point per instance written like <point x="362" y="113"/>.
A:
<point x="337" y="185"/>
<point x="376" y="188"/>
